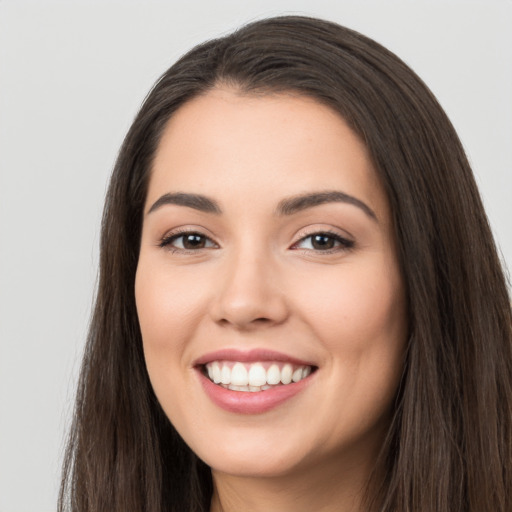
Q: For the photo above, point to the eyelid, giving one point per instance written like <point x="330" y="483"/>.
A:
<point x="165" y="242"/>
<point x="346" y="243"/>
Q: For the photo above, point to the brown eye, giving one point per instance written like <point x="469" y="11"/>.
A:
<point x="194" y="241"/>
<point x="324" y="242"/>
<point x="187" y="242"/>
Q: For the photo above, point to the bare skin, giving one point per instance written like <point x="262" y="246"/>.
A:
<point x="256" y="269"/>
<point x="322" y="489"/>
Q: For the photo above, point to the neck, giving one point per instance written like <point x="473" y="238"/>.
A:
<point x="325" y="489"/>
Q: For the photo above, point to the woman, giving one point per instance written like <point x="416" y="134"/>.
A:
<point x="300" y="304"/>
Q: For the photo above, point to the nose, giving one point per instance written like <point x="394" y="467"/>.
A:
<point x="249" y="294"/>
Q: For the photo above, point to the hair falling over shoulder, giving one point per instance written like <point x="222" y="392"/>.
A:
<point x="449" y="444"/>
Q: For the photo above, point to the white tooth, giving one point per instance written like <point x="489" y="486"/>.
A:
<point x="273" y="375"/>
<point x="263" y="388"/>
<point x="216" y="372"/>
<point x="209" y="369"/>
<point x="286" y="374"/>
<point x="306" y="371"/>
<point x="257" y="375"/>
<point x="297" y="375"/>
<point x="254" y="388"/>
<point x="234" y="387"/>
<point x="225" y="375"/>
<point x="239" y="375"/>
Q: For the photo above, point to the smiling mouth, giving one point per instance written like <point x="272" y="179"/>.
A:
<point x="257" y="376"/>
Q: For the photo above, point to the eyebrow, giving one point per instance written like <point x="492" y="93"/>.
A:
<point x="196" y="201"/>
<point x="301" y="202"/>
<point x="287" y="206"/>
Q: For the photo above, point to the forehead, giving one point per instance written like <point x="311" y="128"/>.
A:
<point x="269" y="144"/>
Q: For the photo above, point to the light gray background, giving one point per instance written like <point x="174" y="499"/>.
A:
<point x="72" y="75"/>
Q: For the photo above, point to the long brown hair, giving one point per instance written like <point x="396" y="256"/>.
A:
<point x="449" y="444"/>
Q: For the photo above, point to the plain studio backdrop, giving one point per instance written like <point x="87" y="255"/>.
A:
<point x="72" y="76"/>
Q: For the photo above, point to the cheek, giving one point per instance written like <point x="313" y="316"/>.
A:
<point x="359" y="316"/>
<point x="168" y="308"/>
<point x="166" y="303"/>
<point x="359" y="301"/>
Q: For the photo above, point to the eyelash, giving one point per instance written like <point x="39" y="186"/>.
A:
<point x="343" y="243"/>
<point x="167" y="241"/>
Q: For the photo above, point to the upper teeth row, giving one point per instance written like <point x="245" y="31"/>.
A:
<point x="254" y="374"/>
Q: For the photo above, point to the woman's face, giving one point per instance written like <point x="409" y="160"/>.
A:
<point x="268" y="256"/>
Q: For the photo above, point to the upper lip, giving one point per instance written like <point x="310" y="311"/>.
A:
<point x="249" y="356"/>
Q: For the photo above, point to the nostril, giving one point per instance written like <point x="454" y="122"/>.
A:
<point x="246" y="324"/>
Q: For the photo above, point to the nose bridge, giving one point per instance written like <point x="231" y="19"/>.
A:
<point x="249" y="291"/>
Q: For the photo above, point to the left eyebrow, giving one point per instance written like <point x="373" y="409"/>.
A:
<point x="301" y="202"/>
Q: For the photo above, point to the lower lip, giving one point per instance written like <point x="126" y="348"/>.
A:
<point x="247" y="402"/>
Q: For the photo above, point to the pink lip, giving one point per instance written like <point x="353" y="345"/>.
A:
<point x="249" y="356"/>
<point x="245" y="402"/>
<point x="242" y="402"/>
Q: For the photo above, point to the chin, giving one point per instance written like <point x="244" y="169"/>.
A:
<point x="260" y="465"/>
<point x="246" y="454"/>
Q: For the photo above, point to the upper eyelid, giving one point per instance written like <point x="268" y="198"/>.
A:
<point x="302" y="234"/>
<point x="337" y="237"/>
<point x="183" y="230"/>
<point x="168" y="240"/>
<point x="180" y="234"/>
<point x="332" y="231"/>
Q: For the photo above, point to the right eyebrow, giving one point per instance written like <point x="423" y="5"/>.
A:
<point x="196" y="201"/>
